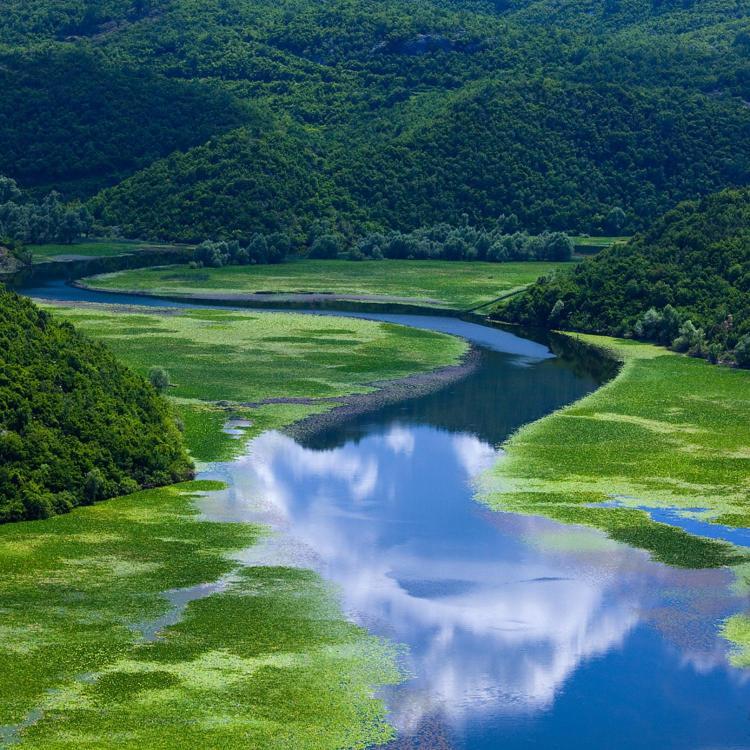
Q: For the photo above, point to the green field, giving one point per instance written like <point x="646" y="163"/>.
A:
<point x="585" y="245"/>
<point x="441" y="283"/>
<point x="266" y="660"/>
<point x="89" y="249"/>
<point x="241" y="357"/>
<point x="668" y="432"/>
<point x="247" y="357"/>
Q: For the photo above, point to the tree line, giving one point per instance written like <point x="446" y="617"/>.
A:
<point x="435" y="242"/>
<point x="684" y="283"/>
<point x="23" y="220"/>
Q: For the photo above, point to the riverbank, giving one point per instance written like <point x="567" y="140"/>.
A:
<point x="668" y="435"/>
<point x="68" y="262"/>
<point x="403" y="285"/>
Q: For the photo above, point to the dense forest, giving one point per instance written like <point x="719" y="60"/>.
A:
<point x="75" y="425"/>
<point x="685" y="283"/>
<point x="189" y="120"/>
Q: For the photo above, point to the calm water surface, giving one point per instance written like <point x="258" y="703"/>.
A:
<point x="519" y="632"/>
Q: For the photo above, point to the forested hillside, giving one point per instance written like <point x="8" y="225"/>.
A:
<point x="685" y="282"/>
<point x="75" y="425"/>
<point x="588" y="115"/>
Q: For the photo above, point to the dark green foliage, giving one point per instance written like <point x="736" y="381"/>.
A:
<point x="260" y="248"/>
<point x="465" y="242"/>
<point x="73" y="121"/>
<point x="260" y="179"/>
<point x="684" y="282"/>
<point x="587" y="115"/>
<point x="23" y="220"/>
<point x="75" y="426"/>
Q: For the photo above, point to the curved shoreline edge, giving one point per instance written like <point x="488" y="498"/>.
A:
<point x="387" y="392"/>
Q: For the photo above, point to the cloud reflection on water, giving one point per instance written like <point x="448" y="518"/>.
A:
<point x="498" y="610"/>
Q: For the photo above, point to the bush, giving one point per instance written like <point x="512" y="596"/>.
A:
<point x="159" y="378"/>
<point x="327" y="246"/>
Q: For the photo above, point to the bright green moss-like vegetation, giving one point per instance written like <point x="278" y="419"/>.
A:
<point x="94" y="653"/>
<point x="221" y="355"/>
<point x="668" y="431"/>
<point x="453" y="284"/>
<point x="76" y="426"/>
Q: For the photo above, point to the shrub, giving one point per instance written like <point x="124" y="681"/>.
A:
<point x="742" y="351"/>
<point x="159" y="378"/>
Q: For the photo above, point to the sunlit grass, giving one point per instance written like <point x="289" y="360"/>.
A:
<point x="215" y="355"/>
<point x="441" y="283"/>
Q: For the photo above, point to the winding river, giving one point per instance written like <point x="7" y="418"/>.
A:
<point x="519" y="632"/>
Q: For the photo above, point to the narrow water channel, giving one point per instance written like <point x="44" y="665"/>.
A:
<point x="518" y="632"/>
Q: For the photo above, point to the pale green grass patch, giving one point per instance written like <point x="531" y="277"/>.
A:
<point x="460" y="284"/>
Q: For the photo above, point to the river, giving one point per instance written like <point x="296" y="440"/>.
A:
<point x="518" y="632"/>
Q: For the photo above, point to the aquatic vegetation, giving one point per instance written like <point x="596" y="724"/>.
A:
<point x="216" y="355"/>
<point x="460" y="284"/>
<point x="668" y="432"/>
<point x="133" y="623"/>
<point x="262" y="657"/>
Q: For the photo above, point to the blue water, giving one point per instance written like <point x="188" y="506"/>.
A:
<point x="519" y="632"/>
<point x="696" y="526"/>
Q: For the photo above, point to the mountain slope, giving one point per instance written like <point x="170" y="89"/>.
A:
<point x="696" y="258"/>
<point x="75" y="426"/>
<point x="408" y="113"/>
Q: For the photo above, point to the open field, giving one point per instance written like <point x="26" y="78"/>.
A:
<point x="251" y="356"/>
<point x="90" y="249"/>
<point x="669" y="432"/>
<point x="439" y="283"/>
<point x="243" y="357"/>
<point x="585" y="245"/>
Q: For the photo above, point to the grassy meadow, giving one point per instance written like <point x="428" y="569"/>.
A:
<point x="456" y="284"/>
<point x="668" y="432"/>
<point x="241" y="358"/>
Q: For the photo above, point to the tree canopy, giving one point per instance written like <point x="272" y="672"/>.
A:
<point x="219" y="117"/>
<point x="685" y="282"/>
<point x="75" y="425"/>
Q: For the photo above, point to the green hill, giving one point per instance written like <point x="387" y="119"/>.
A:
<point x="694" y="263"/>
<point x="589" y="115"/>
<point x="75" y="426"/>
